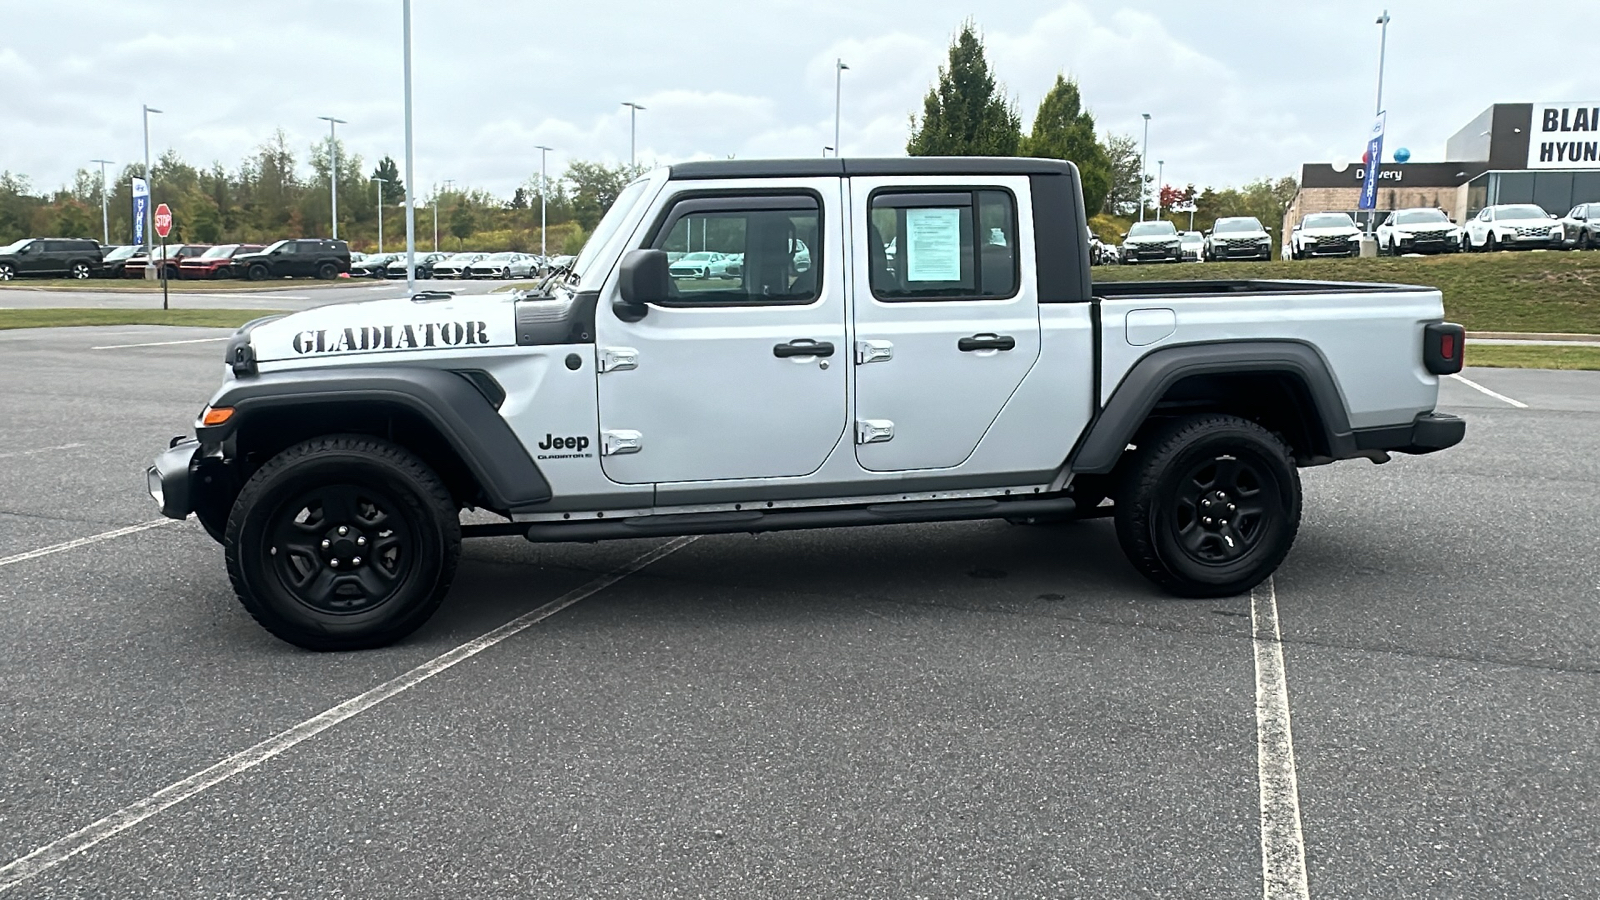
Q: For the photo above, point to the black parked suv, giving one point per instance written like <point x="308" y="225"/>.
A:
<point x="304" y="258"/>
<point x="59" y="257"/>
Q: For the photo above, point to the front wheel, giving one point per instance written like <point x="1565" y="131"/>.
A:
<point x="1209" y="506"/>
<point x="342" y="543"/>
<point x="1490" y="245"/>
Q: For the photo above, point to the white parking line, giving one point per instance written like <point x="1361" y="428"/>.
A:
<point x="1498" y="396"/>
<point x="84" y="541"/>
<point x="160" y="343"/>
<point x="58" y="851"/>
<point x="1283" y="845"/>
<point x="37" y="450"/>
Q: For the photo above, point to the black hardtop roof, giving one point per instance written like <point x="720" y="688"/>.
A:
<point x="912" y="165"/>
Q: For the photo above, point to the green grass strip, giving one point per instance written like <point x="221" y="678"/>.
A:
<point x="64" y="318"/>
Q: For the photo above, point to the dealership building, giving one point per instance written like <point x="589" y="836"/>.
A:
<point x="1544" y="153"/>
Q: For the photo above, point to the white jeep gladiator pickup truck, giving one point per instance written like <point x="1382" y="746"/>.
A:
<point x="939" y="355"/>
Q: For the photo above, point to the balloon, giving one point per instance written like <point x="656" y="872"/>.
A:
<point x="1366" y="157"/>
<point x="1402" y="155"/>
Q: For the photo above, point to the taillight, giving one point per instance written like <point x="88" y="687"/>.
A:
<point x="1443" y="347"/>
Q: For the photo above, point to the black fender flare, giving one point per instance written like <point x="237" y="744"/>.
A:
<point x="448" y="401"/>
<point x="1153" y="375"/>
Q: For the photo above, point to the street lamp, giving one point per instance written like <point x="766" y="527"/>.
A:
<point x="1161" y="168"/>
<point x="1144" y="164"/>
<point x="838" y="81"/>
<point x="381" y="182"/>
<point x="633" y="130"/>
<point x="826" y="151"/>
<point x="333" y="168"/>
<point x="105" y="219"/>
<point x="544" y="246"/>
<point x="411" y="212"/>
<point x="1383" y="47"/>
<point x="149" y="181"/>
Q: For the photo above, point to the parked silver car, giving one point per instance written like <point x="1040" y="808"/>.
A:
<point x="456" y="265"/>
<point x="503" y="265"/>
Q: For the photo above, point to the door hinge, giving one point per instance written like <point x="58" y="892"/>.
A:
<point x="618" y="359"/>
<point x="873" y="351"/>
<point x="874" y="431"/>
<point x="620" y="442"/>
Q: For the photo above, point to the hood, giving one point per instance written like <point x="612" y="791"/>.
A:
<point x="1255" y="235"/>
<point x="381" y="327"/>
<point x="1152" y="239"/>
<point x="1425" y="226"/>
<point x="1332" y="231"/>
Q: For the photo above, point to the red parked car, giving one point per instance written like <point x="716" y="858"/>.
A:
<point x="176" y="254"/>
<point x="216" y="262"/>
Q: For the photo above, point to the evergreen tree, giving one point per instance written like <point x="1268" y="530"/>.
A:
<point x="395" y="190"/>
<point x="1063" y="129"/>
<point x="966" y="114"/>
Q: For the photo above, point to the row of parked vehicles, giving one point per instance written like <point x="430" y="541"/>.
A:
<point x="1507" y="226"/>
<point x="82" y="258"/>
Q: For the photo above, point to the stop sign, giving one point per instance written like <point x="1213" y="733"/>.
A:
<point x="163" y="220"/>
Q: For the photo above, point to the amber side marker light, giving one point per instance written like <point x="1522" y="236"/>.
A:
<point x="216" y="415"/>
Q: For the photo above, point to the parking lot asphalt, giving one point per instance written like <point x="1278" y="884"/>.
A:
<point x="972" y="710"/>
<point x="294" y="295"/>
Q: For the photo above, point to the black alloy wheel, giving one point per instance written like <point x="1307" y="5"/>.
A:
<point x="257" y="272"/>
<point x="342" y="542"/>
<point x="1208" y="506"/>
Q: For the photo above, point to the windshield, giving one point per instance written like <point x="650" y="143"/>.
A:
<point x="1227" y="226"/>
<point x="14" y="246"/>
<point x="1328" y="220"/>
<point x="697" y="257"/>
<point x="608" y="225"/>
<point x="1152" y="229"/>
<point x="273" y="246"/>
<point x="461" y="258"/>
<point x="121" y="253"/>
<point x="222" y="251"/>
<point x="498" y="257"/>
<point x="170" y="251"/>
<point x="1520" y="211"/>
<point x="1419" y="217"/>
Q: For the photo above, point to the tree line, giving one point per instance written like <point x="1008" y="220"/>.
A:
<point x="967" y="113"/>
<point x="269" y="195"/>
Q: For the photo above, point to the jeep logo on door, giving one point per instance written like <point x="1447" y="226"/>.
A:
<point x="579" y="443"/>
<point x="422" y="336"/>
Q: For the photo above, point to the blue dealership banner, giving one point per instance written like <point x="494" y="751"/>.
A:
<point x="141" y="203"/>
<point x="1369" y="185"/>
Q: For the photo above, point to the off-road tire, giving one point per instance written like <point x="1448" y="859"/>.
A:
<point x="1163" y="476"/>
<point x="285" y="526"/>
<point x="327" y="271"/>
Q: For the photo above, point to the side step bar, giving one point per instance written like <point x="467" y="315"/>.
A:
<point x="753" y="521"/>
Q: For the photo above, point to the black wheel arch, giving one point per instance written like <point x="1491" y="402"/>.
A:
<point x="1285" y="386"/>
<point x="443" y="417"/>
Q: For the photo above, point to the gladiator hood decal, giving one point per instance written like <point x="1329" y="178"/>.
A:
<point x="388" y="326"/>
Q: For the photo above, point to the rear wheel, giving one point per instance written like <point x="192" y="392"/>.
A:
<point x="1209" y="506"/>
<point x="342" y="543"/>
<point x="80" y="271"/>
<point x="327" y="271"/>
<point x="256" y="272"/>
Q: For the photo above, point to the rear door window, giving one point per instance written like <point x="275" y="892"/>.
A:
<point x="943" y="245"/>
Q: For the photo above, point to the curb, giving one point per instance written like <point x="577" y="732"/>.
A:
<point x="1531" y="336"/>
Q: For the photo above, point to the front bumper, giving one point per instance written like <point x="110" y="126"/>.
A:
<point x="1332" y="248"/>
<point x="171" y="480"/>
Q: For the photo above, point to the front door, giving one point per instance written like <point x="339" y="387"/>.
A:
<point x="946" y="315"/>
<point x="742" y="374"/>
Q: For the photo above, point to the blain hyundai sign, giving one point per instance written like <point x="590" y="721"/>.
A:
<point x="1565" y="136"/>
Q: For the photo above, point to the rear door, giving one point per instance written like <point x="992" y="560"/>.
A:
<point x="946" y="314"/>
<point x="736" y="376"/>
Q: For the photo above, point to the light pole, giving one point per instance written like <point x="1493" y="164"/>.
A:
<point x="633" y="131"/>
<point x="435" y="205"/>
<point x="1144" y="164"/>
<point x="411" y="184"/>
<point x="544" y="246"/>
<point x="333" y="168"/>
<point x="826" y="151"/>
<point x="149" y="181"/>
<point x="838" y="83"/>
<point x="381" y="182"/>
<point x="1161" y="168"/>
<point x="105" y="219"/>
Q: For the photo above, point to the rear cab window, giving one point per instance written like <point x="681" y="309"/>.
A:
<point x="943" y="244"/>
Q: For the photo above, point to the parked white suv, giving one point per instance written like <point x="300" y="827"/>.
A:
<point x="1513" y="225"/>
<point x="1325" y="234"/>
<point x="1418" y="231"/>
<point x="1238" y="237"/>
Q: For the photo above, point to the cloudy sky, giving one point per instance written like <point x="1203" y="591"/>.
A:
<point x="1237" y="90"/>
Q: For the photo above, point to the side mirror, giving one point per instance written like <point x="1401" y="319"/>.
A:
<point x="643" y="280"/>
<point x="1124" y="235"/>
<point x="1206" y="233"/>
